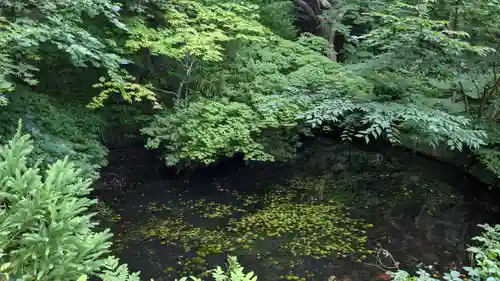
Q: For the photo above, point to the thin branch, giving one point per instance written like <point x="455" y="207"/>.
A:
<point x="488" y="92"/>
<point x="165" y="91"/>
<point x="494" y="88"/>
<point x="380" y="264"/>
<point x="477" y="88"/>
<point x="495" y="77"/>
<point x="466" y="101"/>
<point x="186" y="79"/>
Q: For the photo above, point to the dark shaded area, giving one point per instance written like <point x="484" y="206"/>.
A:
<point x="432" y="223"/>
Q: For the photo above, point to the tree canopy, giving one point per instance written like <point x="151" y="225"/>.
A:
<point x="201" y="80"/>
<point x="213" y="78"/>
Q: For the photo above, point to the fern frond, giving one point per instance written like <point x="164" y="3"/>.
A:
<point x="374" y="120"/>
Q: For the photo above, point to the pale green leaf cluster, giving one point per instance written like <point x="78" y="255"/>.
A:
<point x="126" y="88"/>
<point x="46" y="232"/>
<point x="197" y="29"/>
<point x="207" y="129"/>
<point x="233" y="273"/>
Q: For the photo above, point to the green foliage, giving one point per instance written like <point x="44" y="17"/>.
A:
<point x="129" y="91"/>
<point x="297" y="84"/>
<point x="234" y="77"/>
<point x="257" y="81"/>
<point x="243" y="74"/>
<point x="58" y="130"/>
<point x="279" y="16"/>
<point x="207" y="129"/>
<point x="436" y="60"/>
<point x="486" y="255"/>
<point x="50" y="34"/>
<point x="46" y="234"/>
<point x="233" y="273"/>
<point x="197" y="29"/>
<point x="54" y="28"/>
<point x="239" y="78"/>
<point x="292" y="67"/>
<point x="485" y="261"/>
<point x="406" y="41"/>
<point x="112" y="271"/>
<point x="406" y="36"/>
<point x="491" y="159"/>
<point x="389" y="119"/>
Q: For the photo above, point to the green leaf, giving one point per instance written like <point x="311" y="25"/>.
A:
<point x="82" y="278"/>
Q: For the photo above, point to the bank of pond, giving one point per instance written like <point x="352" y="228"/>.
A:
<point x="333" y="213"/>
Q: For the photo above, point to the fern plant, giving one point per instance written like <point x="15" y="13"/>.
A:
<point x="390" y="120"/>
<point x="233" y="273"/>
<point x="113" y="271"/>
<point x="46" y="233"/>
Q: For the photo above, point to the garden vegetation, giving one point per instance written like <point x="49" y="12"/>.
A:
<point x="203" y="80"/>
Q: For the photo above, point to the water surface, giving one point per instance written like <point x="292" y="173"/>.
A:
<point x="324" y="216"/>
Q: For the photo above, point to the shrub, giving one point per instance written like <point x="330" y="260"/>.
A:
<point x="46" y="232"/>
<point x="57" y="130"/>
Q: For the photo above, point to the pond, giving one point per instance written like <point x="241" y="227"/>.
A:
<point x="328" y="215"/>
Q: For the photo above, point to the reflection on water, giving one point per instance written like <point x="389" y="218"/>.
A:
<point x="327" y="214"/>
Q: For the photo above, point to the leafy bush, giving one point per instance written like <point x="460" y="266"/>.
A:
<point x="391" y="120"/>
<point x="46" y="232"/>
<point x="250" y="114"/>
<point x="207" y="129"/>
<point x="55" y="30"/>
<point x="58" y="130"/>
<point x="199" y="29"/>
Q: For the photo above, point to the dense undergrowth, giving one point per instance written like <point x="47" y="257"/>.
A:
<point x="204" y="80"/>
<point x="217" y="78"/>
<point x="58" y="130"/>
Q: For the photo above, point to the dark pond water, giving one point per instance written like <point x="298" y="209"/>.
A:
<point x="328" y="213"/>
